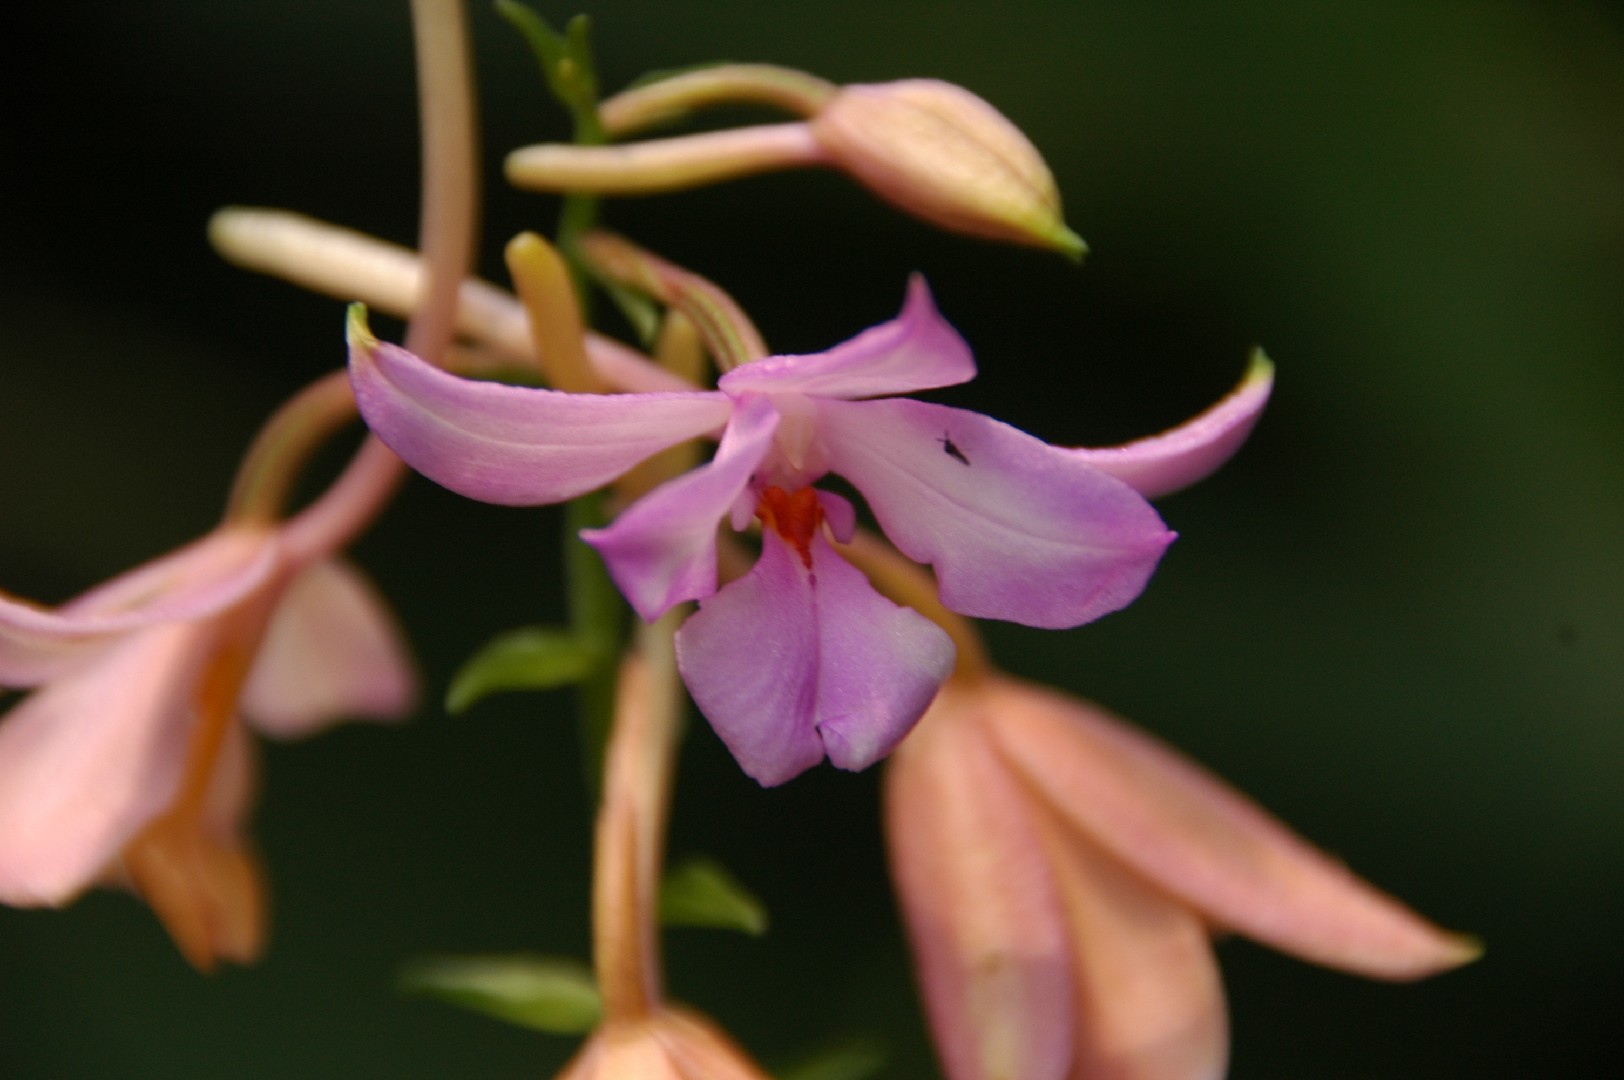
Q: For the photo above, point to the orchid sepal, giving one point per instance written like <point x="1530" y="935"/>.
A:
<point x="1174" y="459"/>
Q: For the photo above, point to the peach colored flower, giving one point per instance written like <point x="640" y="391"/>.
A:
<point x="1061" y="874"/>
<point x="127" y="763"/>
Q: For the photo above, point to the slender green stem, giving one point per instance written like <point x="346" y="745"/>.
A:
<point x="598" y="617"/>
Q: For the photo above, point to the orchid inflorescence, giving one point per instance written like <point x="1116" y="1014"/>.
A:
<point x="1061" y="874"/>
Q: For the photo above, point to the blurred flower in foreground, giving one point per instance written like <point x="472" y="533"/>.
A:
<point x="800" y="657"/>
<point x="930" y="148"/>
<point x="128" y="764"/>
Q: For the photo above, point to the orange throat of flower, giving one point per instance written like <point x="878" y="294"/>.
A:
<point x="795" y="516"/>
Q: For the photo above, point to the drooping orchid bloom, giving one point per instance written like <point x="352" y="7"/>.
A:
<point x="127" y="764"/>
<point x="1061" y="875"/>
<point x="799" y="658"/>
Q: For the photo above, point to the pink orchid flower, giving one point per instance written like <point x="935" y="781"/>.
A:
<point x="800" y="658"/>
<point x="127" y="763"/>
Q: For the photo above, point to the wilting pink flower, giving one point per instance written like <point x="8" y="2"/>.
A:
<point x="800" y="657"/>
<point x="1061" y="875"/>
<point x="127" y="763"/>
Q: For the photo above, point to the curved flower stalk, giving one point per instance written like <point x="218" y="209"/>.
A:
<point x="352" y="266"/>
<point x="799" y="658"/>
<point x="1061" y="875"/>
<point x="642" y="1035"/>
<point x="928" y="147"/>
<point x="128" y="762"/>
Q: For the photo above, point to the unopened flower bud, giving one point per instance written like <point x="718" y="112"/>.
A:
<point x="942" y="153"/>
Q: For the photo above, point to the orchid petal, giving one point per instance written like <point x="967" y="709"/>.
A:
<point x="1015" y="528"/>
<point x="918" y="350"/>
<point x="198" y="875"/>
<point x="1149" y="1000"/>
<point x="879" y="664"/>
<point x="332" y="650"/>
<point x="88" y="760"/>
<point x="792" y="661"/>
<point x="749" y="657"/>
<point x="662" y="550"/>
<point x="838" y="514"/>
<point x="515" y="445"/>
<point x="1178" y="457"/>
<point x="1206" y="844"/>
<point x="980" y="902"/>
<point x="39" y="644"/>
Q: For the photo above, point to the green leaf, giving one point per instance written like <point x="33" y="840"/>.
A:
<point x="701" y="892"/>
<point x="546" y="993"/>
<point x="530" y="658"/>
<point x="854" y="1059"/>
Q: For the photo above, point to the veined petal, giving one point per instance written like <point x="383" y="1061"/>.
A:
<point x="879" y="664"/>
<point x="662" y="549"/>
<point x="980" y="902"/>
<point x="918" y="350"/>
<point x="38" y="644"/>
<point x="88" y="760"/>
<point x="1206" y="844"/>
<point x="515" y="445"/>
<point x="791" y="662"/>
<point x="750" y="658"/>
<point x="1180" y="456"/>
<point x="1149" y="1001"/>
<point x="332" y="651"/>
<point x="1016" y="529"/>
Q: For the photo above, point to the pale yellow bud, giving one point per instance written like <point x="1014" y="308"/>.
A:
<point x="940" y="152"/>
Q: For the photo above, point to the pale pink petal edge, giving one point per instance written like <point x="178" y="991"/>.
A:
<point x="1162" y="464"/>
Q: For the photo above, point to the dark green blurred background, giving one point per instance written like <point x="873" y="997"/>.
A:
<point x="1397" y="618"/>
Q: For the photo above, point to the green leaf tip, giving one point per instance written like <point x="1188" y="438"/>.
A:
<point x="543" y="993"/>
<point x="529" y="658"/>
<point x="701" y="892"/>
<point x="1068" y="243"/>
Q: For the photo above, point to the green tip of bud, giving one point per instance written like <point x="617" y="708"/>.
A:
<point x="1469" y="948"/>
<point x="1066" y="242"/>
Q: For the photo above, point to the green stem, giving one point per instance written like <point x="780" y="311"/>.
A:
<point x="598" y="617"/>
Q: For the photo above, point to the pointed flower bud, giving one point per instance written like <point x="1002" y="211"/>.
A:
<point x="927" y="147"/>
<point x="943" y="154"/>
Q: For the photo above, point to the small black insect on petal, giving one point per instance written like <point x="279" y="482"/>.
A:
<point x="951" y="450"/>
